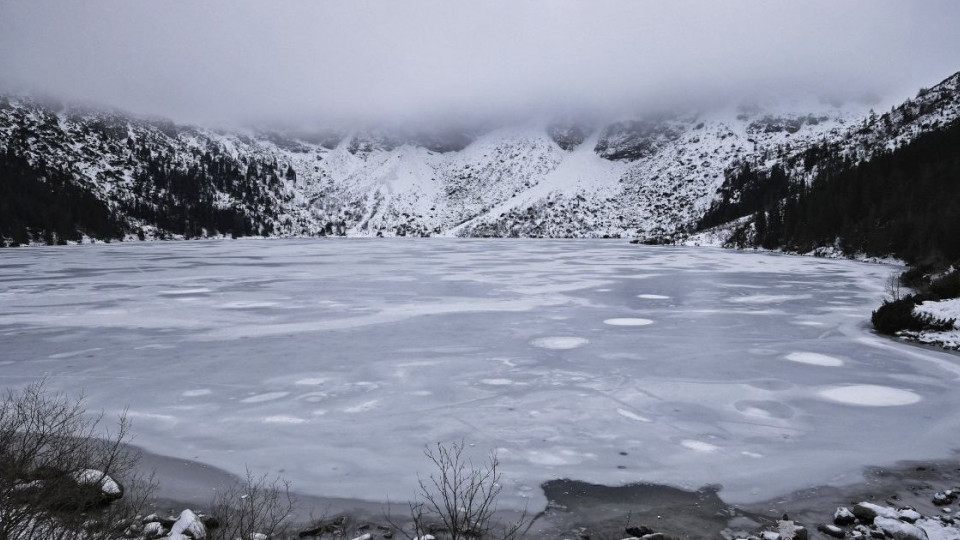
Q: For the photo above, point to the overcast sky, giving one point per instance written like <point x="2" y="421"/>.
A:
<point x="235" y="61"/>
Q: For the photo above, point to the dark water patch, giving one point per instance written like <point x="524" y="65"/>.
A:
<point x="607" y="511"/>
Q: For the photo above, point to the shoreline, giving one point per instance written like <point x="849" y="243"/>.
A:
<point x="577" y="509"/>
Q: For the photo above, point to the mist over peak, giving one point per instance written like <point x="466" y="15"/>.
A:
<point x="299" y="64"/>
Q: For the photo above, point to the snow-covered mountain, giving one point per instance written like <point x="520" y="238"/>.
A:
<point x="633" y="177"/>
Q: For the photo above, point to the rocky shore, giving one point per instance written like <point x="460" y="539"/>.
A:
<point x="910" y="501"/>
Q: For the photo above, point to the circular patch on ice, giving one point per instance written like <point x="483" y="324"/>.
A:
<point x="764" y="409"/>
<point x="559" y="343"/>
<point x="653" y="297"/>
<point x="186" y="292"/>
<point x="284" y="419"/>
<point x="869" y="395"/>
<point x="362" y="407"/>
<point x="315" y="381"/>
<point x="248" y="305"/>
<point x="198" y="392"/>
<point x="632" y="415"/>
<point x="269" y="396"/>
<point x="497" y="382"/>
<point x="814" y="359"/>
<point x="698" y="446"/>
<point x="628" y="321"/>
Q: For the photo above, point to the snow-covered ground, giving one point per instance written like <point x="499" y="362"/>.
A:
<point x="941" y="310"/>
<point x="335" y="362"/>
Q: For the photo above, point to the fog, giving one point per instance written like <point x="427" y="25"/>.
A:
<point x="239" y="61"/>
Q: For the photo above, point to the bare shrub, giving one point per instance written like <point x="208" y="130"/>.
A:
<point x="253" y="508"/>
<point x="894" y="287"/>
<point x="63" y="474"/>
<point x="459" y="499"/>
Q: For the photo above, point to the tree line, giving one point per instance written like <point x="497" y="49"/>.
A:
<point x="903" y="202"/>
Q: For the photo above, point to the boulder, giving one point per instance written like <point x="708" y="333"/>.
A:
<point x="110" y="489"/>
<point x="188" y="525"/>
<point x="639" y="530"/>
<point x="943" y="498"/>
<point x="909" y="515"/>
<point x="153" y="530"/>
<point x="867" y="512"/>
<point x="843" y="516"/>
<point x="898" y="530"/>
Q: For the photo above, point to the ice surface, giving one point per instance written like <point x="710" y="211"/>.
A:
<point x="337" y="361"/>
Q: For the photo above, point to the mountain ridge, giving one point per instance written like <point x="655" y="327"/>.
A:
<point x="631" y="178"/>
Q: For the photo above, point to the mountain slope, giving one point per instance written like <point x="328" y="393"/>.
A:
<point x="633" y="177"/>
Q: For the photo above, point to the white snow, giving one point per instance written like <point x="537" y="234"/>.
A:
<point x="653" y="297"/>
<point x="94" y="477"/>
<point x="941" y="310"/>
<point x="895" y="528"/>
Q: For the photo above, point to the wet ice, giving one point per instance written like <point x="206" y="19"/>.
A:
<point x="339" y="360"/>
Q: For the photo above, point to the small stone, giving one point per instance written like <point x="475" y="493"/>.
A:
<point x="831" y="530"/>
<point x="909" y="515"/>
<point x="942" y="498"/>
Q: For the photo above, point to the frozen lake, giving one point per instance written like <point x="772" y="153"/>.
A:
<point x="337" y="361"/>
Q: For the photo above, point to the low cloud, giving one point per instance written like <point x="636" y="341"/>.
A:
<point x="239" y="61"/>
